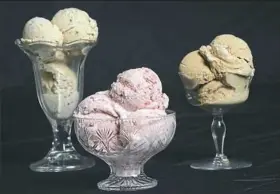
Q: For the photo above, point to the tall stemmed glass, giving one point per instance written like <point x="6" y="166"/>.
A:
<point x="59" y="78"/>
<point x="218" y="130"/>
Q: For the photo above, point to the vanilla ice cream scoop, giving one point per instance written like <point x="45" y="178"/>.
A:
<point x="58" y="78"/>
<point x="75" y="25"/>
<point x="41" y="29"/>
<point x="228" y="54"/>
<point x="194" y="71"/>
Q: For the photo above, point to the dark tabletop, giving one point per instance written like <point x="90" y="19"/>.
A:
<point x="253" y="134"/>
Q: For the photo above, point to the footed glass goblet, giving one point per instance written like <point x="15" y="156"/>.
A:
<point x="126" y="145"/>
<point x="59" y="80"/>
<point x="219" y="102"/>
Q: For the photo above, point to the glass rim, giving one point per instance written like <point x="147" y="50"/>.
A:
<point x="22" y="43"/>
<point x="169" y="113"/>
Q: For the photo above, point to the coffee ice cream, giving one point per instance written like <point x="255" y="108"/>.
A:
<point x="195" y="70"/>
<point x="220" y="73"/>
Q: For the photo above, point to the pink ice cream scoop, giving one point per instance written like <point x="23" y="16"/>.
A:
<point x="98" y="104"/>
<point x="128" y="114"/>
<point x="139" y="88"/>
<point x="97" y="119"/>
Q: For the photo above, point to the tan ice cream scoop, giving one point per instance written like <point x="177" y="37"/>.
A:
<point x="215" y="93"/>
<point x="228" y="54"/>
<point x="193" y="70"/>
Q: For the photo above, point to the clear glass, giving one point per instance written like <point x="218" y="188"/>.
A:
<point x="126" y="145"/>
<point x="218" y="129"/>
<point x="59" y="79"/>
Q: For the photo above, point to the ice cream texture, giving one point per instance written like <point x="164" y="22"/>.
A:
<point x="75" y="25"/>
<point x="40" y="29"/>
<point x="139" y="88"/>
<point x="220" y="72"/>
<point x="67" y="26"/>
<point x="123" y="109"/>
<point x="228" y="54"/>
<point x="195" y="70"/>
<point x="58" y="80"/>
<point x="59" y="84"/>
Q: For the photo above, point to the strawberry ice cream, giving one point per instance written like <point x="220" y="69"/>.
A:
<point x="139" y="88"/>
<point x="102" y="130"/>
<point x="100" y="106"/>
<point x="129" y="113"/>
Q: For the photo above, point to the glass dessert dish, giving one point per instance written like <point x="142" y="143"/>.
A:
<point x="222" y="102"/>
<point x="126" y="145"/>
<point x="59" y="79"/>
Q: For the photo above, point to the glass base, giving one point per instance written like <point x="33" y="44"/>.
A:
<point x="61" y="161"/>
<point x="220" y="164"/>
<point x="117" y="183"/>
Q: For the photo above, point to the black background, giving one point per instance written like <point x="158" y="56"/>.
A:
<point x="156" y="35"/>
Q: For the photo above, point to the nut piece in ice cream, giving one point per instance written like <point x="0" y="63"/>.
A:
<point x="41" y="29"/>
<point x="228" y="54"/>
<point x="215" y="93"/>
<point x="194" y="71"/>
<point x="75" y="25"/>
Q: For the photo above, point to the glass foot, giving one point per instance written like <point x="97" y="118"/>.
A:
<point x="117" y="183"/>
<point x="220" y="164"/>
<point x="60" y="161"/>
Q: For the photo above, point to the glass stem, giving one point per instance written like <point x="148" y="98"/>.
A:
<point x="218" y="129"/>
<point x="126" y="170"/>
<point x="62" y="135"/>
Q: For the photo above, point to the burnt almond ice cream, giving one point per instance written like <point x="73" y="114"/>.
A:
<point x="58" y="77"/>
<point x="219" y="73"/>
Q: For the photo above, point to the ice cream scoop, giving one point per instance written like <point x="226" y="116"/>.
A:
<point x="228" y="54"/>
<point x="139" y="88"/>
<point x="100" y="103"/>
<point x="59" y="85"/>
<point x="75" y="24"/>
<point x="218" y="73"/>
<point x="58" y="78"/>
<point x="41" y="29"/>
<point x="194" y="70"/>
<point x="104" y="125"/>
<point x="216" y="93"/>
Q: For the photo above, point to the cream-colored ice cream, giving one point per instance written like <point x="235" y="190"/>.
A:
<point x="59" y="84"/>
<point x="219" y="73"/>
<point x="75" y="25"/>
<point x="58" y="78"/>
<point x="41" y="29"/>
<point x="194" y="70"/>
<point x="216" y="93"/>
